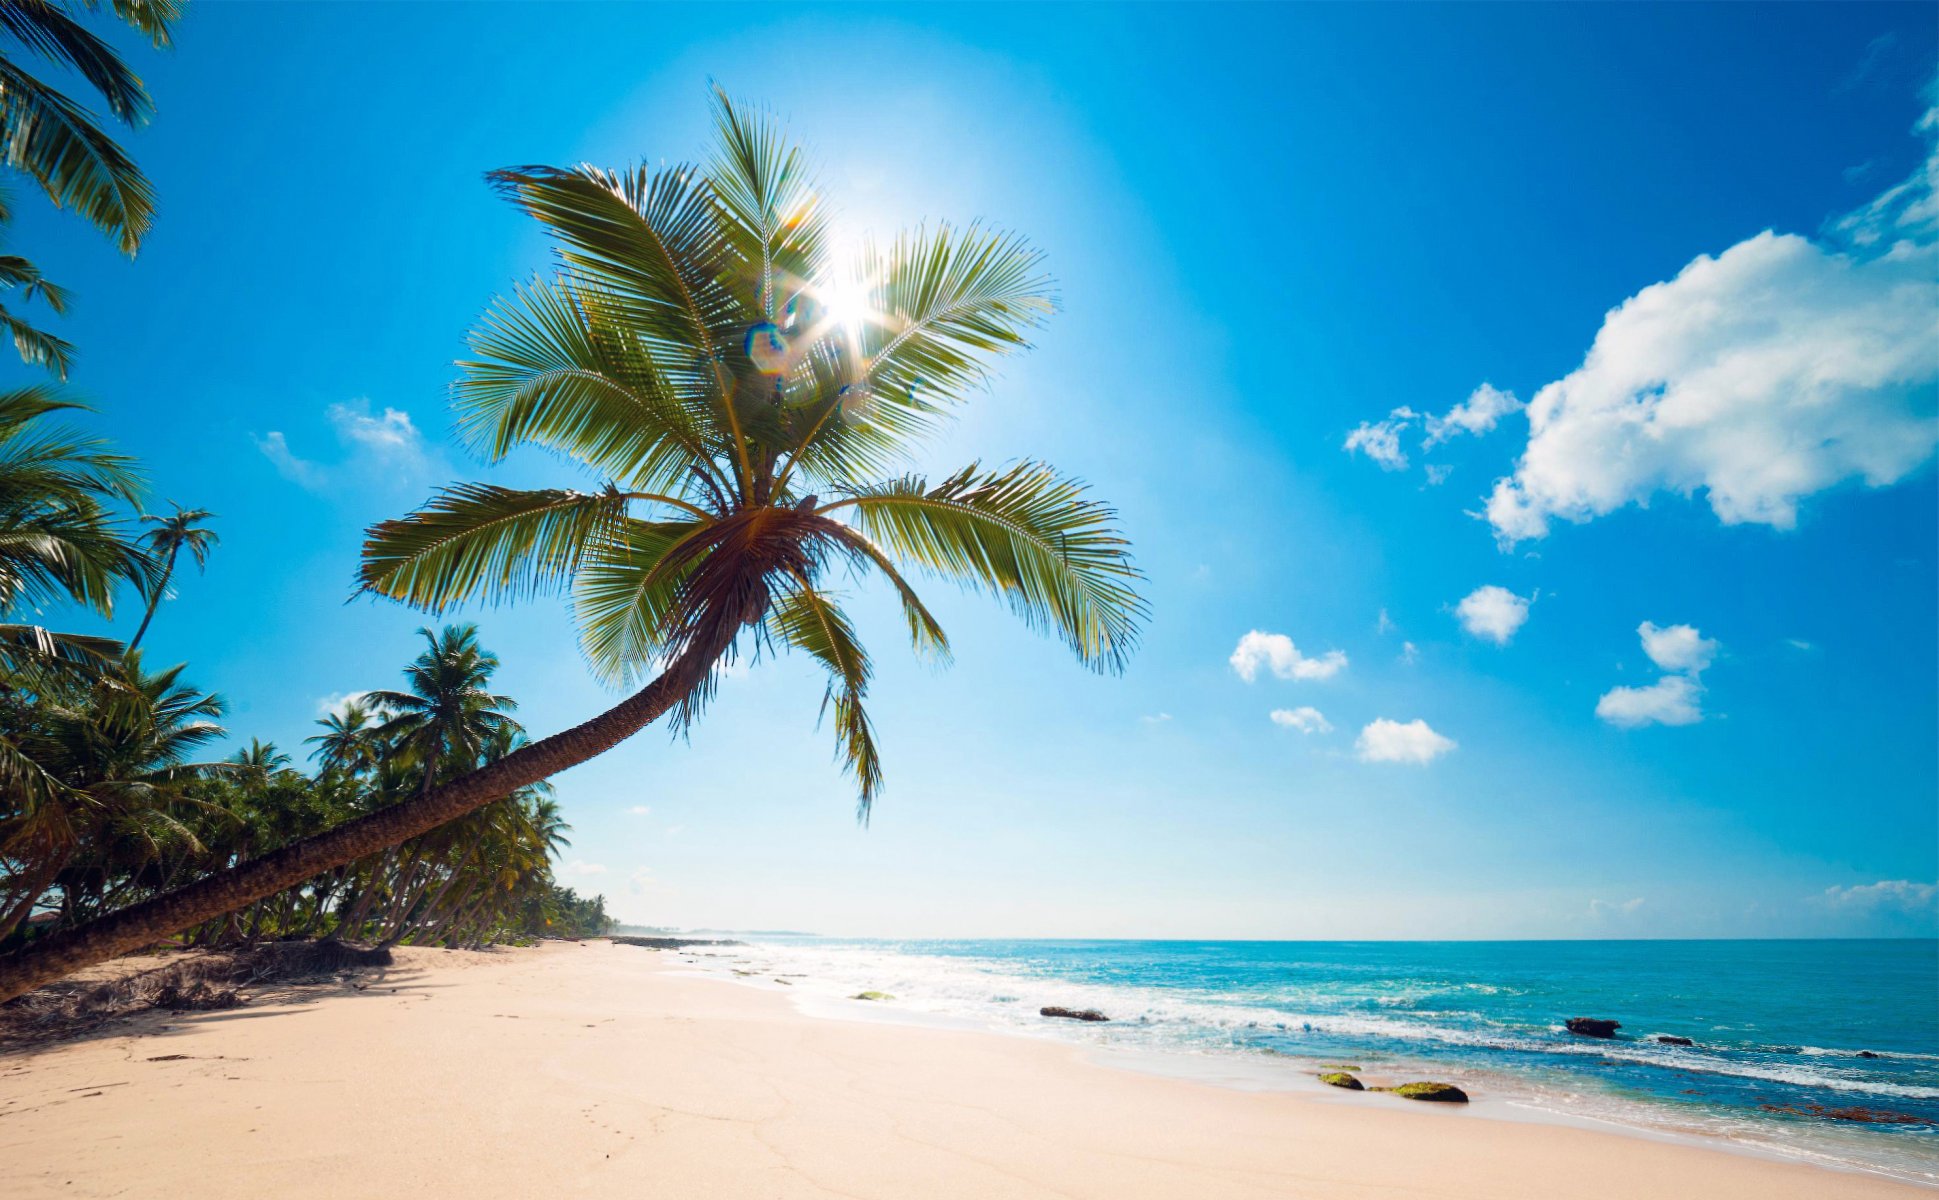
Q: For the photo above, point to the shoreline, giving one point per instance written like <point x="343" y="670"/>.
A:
<point x="1503" y="1097"/>
<point x="610" y="1070"/>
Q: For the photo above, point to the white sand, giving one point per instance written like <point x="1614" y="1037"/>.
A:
<point x="592" y="1070"/>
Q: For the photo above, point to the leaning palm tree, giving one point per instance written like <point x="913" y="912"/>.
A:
<point x="744" y="400"/>
<point x="58" y="142"/>
<point x="183" y="529"/>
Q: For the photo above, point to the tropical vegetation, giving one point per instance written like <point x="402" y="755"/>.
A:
<point x="58" y="143"/>
<point x="745" y="402"/>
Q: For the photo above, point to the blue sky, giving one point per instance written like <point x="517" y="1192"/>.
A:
<point x="1277" y="230"/>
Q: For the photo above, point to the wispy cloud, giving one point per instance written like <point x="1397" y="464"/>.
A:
<point x="1619" y="908"/>
<point x="1305" y="718"/>
<point x="1893" y="895"/>
<point x="1676" y="698"/>
<point x="336" y="703"/>
<point x="385" y="445"/>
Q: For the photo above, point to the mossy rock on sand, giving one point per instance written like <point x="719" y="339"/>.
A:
<point x="1446" y="1093"/>
<point x="871" y="996"/>
<point x="1341" y="1079"/>
<point x="1341" y="1067"/>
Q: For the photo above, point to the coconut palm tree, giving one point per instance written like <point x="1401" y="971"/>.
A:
<point x="183" y="529"/>
<point x="349" y="742"/>
<point x="447" y="714"/>
<point x="744" y="399"/>
<point x="58" y="142"/>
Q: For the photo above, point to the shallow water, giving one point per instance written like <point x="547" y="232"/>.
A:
<point x="1778" y="1025"/>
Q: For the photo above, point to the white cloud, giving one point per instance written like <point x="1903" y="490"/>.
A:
<point x="1493" y="612"/>
<point x="335" y="703"/>
<point x="1622" y="908"/>
<point x="1380" y="440"/>
<point x="640" y="810"/>
<point x="1799" y="644"/>
<point x="579" y="868"/>
<point x="1480" y="412"/>
<point x="1671" y="700"/>
<point x="1437" y="473"/>
<point x="1409" y="654"/>
<point x="387" y="443"/>
<point x="1392" y="741"/>
<point x="1899" y="894"/>
<point x="1156" y="718"/>
<point x="1305" y="718"/>
<point x="1385" y="624"/>
<point x="1276" y="652"/>
<point x="1760" y="376"/>
<point x="1677" y="647"/>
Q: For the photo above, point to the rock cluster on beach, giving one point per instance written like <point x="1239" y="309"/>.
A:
<point x="1341" y="1079"/>
<point x="1072" y="1014"/>
<point x="672" y="943"/>
<point x="1445" y="1093"/>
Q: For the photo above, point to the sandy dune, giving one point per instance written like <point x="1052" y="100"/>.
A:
<point x="593" y="1070"/>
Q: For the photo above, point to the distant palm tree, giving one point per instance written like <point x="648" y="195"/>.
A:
<point x="447" y="714"/>
<point x="349" y="741"/>
<point x="746" y="399"/>
<point x="55" y="140"/>
<point x="184" y="529"/>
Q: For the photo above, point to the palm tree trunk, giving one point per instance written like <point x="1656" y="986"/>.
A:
<point x="155" y="599"/>
<point x="138" y="925"/>
<point x="36" y="884"/>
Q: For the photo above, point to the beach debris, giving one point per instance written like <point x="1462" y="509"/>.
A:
<point x="1594" y="1027"/>
<point x="1072" y="1014"/>
<point x="871" y="996"/>
<point x="1445" y="1093"/>
<point x="1340" y="1079"/>
<point x="1670" y="1039"/>
<point x="1865" y="1116"/>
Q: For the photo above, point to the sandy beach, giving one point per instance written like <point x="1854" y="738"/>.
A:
<point x="600" y="1070"/>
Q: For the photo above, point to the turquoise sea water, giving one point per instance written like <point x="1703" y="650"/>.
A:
<point x="1779" y="1026"/>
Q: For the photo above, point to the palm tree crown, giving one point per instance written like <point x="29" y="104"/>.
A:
<point x="744" y="400"/>
<point x="183" y="529"/>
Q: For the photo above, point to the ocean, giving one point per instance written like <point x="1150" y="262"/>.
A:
<point x="1783" y="1031"/>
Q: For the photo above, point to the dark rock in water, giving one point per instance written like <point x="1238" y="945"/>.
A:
<point x="671" y="943"/>
<point x="1672" y="1040"/>
<point x="1340" y="1079"/>
<point x="1594" y="1027"/>
<point x="1445" y="1093"/>
<point x="1864" y="1116"/>
<point x="1072" y="1014"/>
<point x="1866" y="1054"/>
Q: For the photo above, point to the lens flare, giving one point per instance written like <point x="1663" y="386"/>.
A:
<point x="767" y="349"/>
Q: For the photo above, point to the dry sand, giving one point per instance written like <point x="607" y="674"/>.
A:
<point x="595" y="1070"/>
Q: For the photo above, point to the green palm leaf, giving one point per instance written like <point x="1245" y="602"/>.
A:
<point x="52" y="139"/>
<point x="481" y="541"/>
<point x="1025" y="534"/>
<point x="808" y="620"/>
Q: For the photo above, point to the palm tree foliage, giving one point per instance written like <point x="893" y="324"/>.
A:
<point x="746" y="405"/>
<point x="743" y="400"/>
<point x="183" y="529"/>
<point x="140" y="814"/>
<point x="57" y="141"/>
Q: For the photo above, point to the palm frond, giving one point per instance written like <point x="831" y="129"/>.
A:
<point x="49" y="32"/>
<point x="151" y="18"/>
<point x="37" y="347"/>
<point x="627" y="597"/>
<point x="46" y="135"/>
<point x="480" y="541"/>
<point x="810" y="621"/>
<point x="553" y="370"/>
<point x="1025" y="534"/>
<point x="773" y="219"/>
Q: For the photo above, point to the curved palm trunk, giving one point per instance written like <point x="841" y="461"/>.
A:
<point x="141" y="924"/>
<point x="155" y="600"/>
